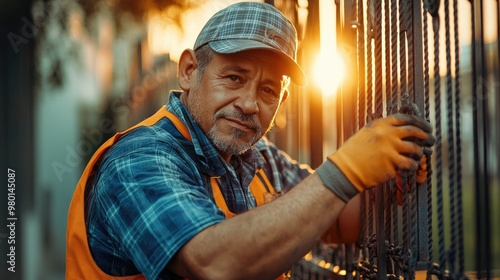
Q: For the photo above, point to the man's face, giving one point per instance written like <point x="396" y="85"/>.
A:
<point x="236" y="99"/>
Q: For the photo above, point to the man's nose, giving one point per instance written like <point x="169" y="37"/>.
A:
<point x="247" y="102"/>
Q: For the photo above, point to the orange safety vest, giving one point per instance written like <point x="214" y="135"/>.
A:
<point x="79" y="261"/>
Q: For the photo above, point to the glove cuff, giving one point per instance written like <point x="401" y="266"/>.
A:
<point x="336" y="181"/>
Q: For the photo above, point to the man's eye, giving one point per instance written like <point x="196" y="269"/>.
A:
<point x="269" y="91"/>
<point x="234" y="78"/>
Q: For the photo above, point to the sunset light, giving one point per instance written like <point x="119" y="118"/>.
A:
<point x="328" y="71"/>
<point x="329" y="67"/>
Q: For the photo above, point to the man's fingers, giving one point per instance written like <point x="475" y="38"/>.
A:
<point x="403" y="119"/>
<point x="411" y="149"/>
<point x="427" y="141"/>
<point x="416" y="134"/>
<point x="427" y="151"/>
<point x="407" y="165"/>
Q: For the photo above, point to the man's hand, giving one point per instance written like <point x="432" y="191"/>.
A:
<point x="383" y="147"/>
<point x="421" y="178"/>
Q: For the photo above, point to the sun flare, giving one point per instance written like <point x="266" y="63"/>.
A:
<point x="329" y="67"/>
<point x="328" y="71"/>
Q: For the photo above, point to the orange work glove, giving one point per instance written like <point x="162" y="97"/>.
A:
<point x="421" y="178"/>
<point x="422" y="170"/>
<point x="375" y="153"/>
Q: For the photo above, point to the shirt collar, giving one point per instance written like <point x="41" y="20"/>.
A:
<point x="210" y="161"/>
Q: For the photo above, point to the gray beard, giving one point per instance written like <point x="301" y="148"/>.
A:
<point x="229" y="147"/>
<point x="232" y="147"/>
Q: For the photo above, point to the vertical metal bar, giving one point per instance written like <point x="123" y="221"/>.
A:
<point x="362" y="240"/>
<point x="349" y="85"/>
<point x="428" y="185"/>
<point x="459" y="239"/>
<point x="394" y="56"/>
<point x="348" y="99"/>
<point x="380" y="192"/>
<point x="406" y="228"/>
<point x="418" y="89"/>
<point x="378" y="59"/>
<point x="339" y="103"/>
<point x="369" y="61"/>
<point x="315" y="100"/>
<point x="361" y="64"/>
<point x="477" y="179"/>
<point x="451" y="143"/>
<point x="381" y="248"/>
<point x="497" y="96"/>
<point x="402" y="47"/>
<point x="394" y="107"/>
<point x="388" y="58"/>
<point x="438" y="145"/>
<point x="480" y="108"/>
<point x="348" y="26"/>
<point x="413" y="71"/>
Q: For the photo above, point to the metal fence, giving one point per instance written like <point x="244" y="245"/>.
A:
<point x="400" y="63"/>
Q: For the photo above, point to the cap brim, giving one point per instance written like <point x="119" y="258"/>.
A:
<point x="296" y="74"/>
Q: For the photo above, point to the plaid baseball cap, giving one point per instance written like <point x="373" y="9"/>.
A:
<point x="253" y="25"/>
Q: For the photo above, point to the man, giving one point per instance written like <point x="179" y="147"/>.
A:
<point x="175" y="197"/>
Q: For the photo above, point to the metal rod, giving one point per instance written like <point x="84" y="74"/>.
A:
<point x="380" y="206"/>
<point x="480" y="135"/>
<point x="497" y="96"/>
<point x="381" y="249"/>
<point x="451" y="142"/>
<point x="419" y="90"/>
<point x="460" y="226"/>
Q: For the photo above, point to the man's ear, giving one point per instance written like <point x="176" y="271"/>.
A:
<point x="285" y="96"/>
<point x="186" y="69"/>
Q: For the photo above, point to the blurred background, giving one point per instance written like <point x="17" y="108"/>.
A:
<point x="74" y="72"/>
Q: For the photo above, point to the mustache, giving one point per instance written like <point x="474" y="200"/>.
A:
<point x="247" y="119"/>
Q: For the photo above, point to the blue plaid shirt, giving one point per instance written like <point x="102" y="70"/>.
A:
<point x="152" y="193"/>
